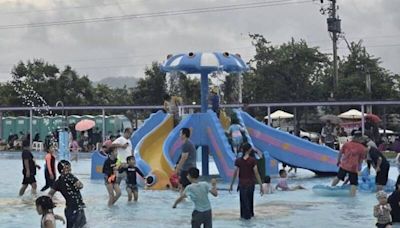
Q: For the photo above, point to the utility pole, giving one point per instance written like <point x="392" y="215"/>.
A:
<point x="335" y="28"/>
<point x="335" y="32"/>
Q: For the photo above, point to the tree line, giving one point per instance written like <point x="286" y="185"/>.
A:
<point x="289" y="72"/>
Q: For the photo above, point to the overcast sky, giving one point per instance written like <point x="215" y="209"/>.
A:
<point x="125" y="47"/>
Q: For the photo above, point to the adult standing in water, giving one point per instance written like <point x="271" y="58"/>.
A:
<point x="381" y="166"/>
<point x="246" y="166"/>
<point x="394" y="200"/>
<point x="349" y="160"/>
<point x="123" y="145"/>
<point x="188" y="158"/>
<point x="28" y="170"/>
<point x="328" y="134"/>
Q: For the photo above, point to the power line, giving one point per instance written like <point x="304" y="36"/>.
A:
<point x="157" y="14"/>
<point x="367" y="46"/>
<point x="64" y="8"/>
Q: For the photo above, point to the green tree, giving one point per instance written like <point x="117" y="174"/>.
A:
<point x="150" y="89"/>
<point x="353" y="71"/>
<point x="292" y="71"/>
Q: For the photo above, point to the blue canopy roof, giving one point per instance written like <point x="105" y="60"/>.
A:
<point x="197" y="62"/>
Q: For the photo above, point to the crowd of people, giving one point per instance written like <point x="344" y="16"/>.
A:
<point x="120" y="165"/>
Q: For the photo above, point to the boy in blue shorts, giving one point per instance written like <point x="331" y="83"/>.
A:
<point x="198" y="193"/>
<point x="131" y="184"/>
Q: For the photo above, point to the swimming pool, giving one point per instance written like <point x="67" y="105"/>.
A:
<point x="154" y="209"/>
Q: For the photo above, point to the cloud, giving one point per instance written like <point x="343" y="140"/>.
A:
<point x="125" y="47"/>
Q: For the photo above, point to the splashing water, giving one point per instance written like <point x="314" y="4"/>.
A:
<point x="32" y="99"/>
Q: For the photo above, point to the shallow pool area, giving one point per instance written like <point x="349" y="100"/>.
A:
<point x="154" y="209"/>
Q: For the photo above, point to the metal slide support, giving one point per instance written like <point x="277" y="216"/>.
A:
<point x="204" y="92"/>
<point x="103" y="131"/>
<point x="269" y="116"/>
<point x="30" y="127"/>
<point x="362" y="120"/>
<point x="204" y="161"/>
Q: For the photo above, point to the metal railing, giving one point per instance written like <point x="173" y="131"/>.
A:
<point x="361" y="104"/>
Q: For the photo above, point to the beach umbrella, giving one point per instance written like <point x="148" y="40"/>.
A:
<point x="84" y="125"/>
<point x="374" y="118"/>
<point x="351" y="114"/>
<point x="332" y="118"/>
<point x="279" y="114"/>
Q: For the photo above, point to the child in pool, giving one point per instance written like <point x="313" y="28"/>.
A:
<point x="174" y="180"/>
<point x="44" y="207"/>
<point x="198" y="191"/>
<point x="110" y="177"/>
<point x="131" y="184"/>
<point x="266" y="186"/>
<point x="70" y="188"/>
<point x="50" y="168"/>
<point x="282" y="183"/>
<point x="382" y="211"/>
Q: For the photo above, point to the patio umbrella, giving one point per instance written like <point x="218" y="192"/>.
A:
<point x="84" y="125"/>
<point x="374" y="118"/>
<point x="279" y="114"/>
<point x="351" y="114"/>
<point x="334" y="119"/>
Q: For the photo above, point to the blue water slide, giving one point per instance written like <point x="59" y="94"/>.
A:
<point x="149" y="124"/>
<point x="206" y="130"/>
<point x="271" y="165"/>
<point x="291" y="149"/>
<point x="219" y="146"/>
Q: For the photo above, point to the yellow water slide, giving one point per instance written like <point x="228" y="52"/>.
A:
<point x="225" y="120"/>
<point x="151" y="152"/>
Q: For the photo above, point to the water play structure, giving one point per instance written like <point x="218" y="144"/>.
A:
<point x="157" y="144"/>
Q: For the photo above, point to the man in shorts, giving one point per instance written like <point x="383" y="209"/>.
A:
<point x="349" y="160"/>
<point x="28" y="170"/>
<point x="188" y="158"/>
<point x="381" y="166"/>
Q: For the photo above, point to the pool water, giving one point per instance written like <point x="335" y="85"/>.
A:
<point x="154" y="209"/>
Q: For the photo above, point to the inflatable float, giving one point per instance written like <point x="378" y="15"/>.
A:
<point x="366" y="183"/>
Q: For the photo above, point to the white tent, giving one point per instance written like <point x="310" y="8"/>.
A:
<point x="279" y="114"/>
<point x="351" y="114"/>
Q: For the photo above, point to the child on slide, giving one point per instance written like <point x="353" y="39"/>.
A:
<point x="282" y="183"/>
<point x="235" y="131"/>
